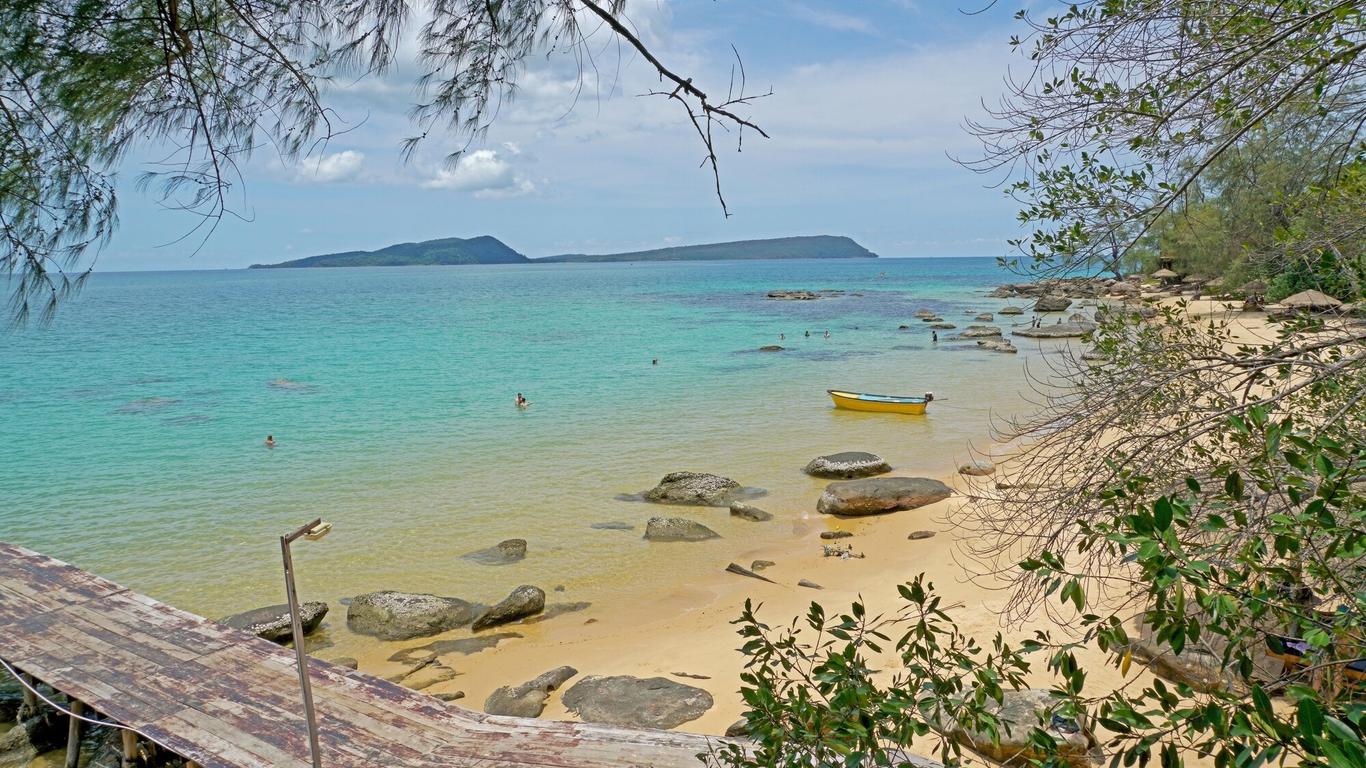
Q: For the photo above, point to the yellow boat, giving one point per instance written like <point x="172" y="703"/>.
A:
<point x="861" y="401"/>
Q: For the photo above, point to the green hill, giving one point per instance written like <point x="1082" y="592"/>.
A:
<point x="812" y="247"/>
<point x="490" y="250"/>
<point x="449" y="250"/>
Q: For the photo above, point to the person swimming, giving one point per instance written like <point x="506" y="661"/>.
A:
<point x="522" y="402"/>
<point x="808" y="334"/>
<point x="270" y="441"/>
<point x="654" y="361"/>
<point x="827" y="334"/>
<point x="782" y="337"/>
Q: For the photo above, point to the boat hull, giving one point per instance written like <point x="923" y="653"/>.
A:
<point x="858" y="401"/>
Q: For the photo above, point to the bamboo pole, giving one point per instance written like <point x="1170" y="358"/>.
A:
<point x="130" y="749"/>
<point x="73" y="735"/>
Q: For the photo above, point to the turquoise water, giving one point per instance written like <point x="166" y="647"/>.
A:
<point x="131" y="431"/>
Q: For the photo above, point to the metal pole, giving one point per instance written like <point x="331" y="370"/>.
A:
<point x="298" y="628"/>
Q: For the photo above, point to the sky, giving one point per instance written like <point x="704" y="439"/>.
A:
<point x="866" y="115"/>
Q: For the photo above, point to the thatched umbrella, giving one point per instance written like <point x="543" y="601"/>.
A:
<point x="1252" y="287"/>
<point x="1165" y="274"/>
<point x="1310" y="300"/>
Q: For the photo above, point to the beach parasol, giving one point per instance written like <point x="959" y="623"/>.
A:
<point x="1310" y="300"/>
<point x="1164" y="274"/>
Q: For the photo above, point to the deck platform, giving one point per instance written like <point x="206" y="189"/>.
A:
<point x="226" y="699"/>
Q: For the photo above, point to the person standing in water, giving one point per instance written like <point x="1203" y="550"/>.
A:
<point x="934" y="336"/>
<point x="827" y="334"/>
<point x="270" y="441"/>
<point x="522" y="402"/>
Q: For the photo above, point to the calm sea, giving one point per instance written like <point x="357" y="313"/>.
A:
<point x="131" y="430"/>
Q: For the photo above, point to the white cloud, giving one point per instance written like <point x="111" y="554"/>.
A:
<point x="832" y="20"/>
<point x="484" y="173"/>
<point x="331" y="168"/>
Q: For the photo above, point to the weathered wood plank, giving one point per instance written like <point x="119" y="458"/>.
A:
<point x="225" y="699"/>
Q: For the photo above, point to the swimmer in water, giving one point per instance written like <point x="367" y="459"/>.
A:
<point x="655" y="361"/>
<point x="522" y="402"/>
<point x="270" y="441"/>
<point x="827" y="334"/>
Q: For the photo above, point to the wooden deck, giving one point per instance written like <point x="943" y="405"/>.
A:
<point x="226" y="699"/>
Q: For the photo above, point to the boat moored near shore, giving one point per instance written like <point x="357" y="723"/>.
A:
<point x="862" y="401"/>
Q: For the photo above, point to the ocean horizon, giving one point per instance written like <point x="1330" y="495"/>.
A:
<point x="139" y="415"/>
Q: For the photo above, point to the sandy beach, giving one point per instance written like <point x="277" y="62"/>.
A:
<point x="684" y="632"/>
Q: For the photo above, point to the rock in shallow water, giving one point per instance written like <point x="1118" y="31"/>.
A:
<point x="273" y="622"/>
<point x="677" y="529"/>
<point x="847" y="465"/>
<point x="877" y="495"/>
<point x="502" y="553"/>
<point x="749" y="512"/>
<point x="524" y="601"/>
<point x="655" y="702"/>
<point x="392" y="615"/>
<point x="979" y="332"/>
<point x="1058" y="330"/>
<point x="697" y="489"/>
<point x="527" y="699"/>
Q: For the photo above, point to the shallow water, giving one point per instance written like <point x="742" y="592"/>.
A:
<point x="131" y="431"/>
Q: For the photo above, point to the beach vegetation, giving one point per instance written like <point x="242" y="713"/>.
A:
<point x="1247" y="647"/>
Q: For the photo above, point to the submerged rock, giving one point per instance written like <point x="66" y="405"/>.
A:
<point x="749" y="512"/>
<point x="274" y="623"/>
<point x="427" y="675"/>
<point x="942" y="326"/>
<point x="877" y="495"/>
<point x="1058" y="330"/>
<point x="524" y="601"/>
<point x="847" y="465"/>
<point x="392" y="615"/>
<point x="613" y="526"/>
<point x="677" y="529"/>
<point x="502" y="553"/>
<point x="772" y="348"/>
<point x="985" y="317"/>
<point x="979" y="332"/>
<point x="527" y="699"/>
<point x="697" y="489"/>
<point x="655" y="702"/>
<point x="794" y="295"/>
<point x="1010" y="311"/>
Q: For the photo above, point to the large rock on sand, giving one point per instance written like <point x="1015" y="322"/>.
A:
<point x="847" y="465"/>
<point x="655" y="702"/>
<point x="524" y="601"/>
<point x="1021" y="712"/>
<point x="695" y="488"/>
<point x="404" y="615"/>
<point x="274" y="623"/>
<point x="527" y="699"/>
<point x="502" y="553"/>
<point x="876" y="495"/>
<point x="677" y="529"/>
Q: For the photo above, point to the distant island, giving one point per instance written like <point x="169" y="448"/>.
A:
<point x="491" y="250"/>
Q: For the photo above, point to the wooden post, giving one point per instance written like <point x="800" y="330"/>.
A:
<point x="130" y="748"/>
<point x="73" y="735"/>
<point x="30" y="705"/>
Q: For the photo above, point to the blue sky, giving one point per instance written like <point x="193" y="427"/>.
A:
<point x="868" y="105"/>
